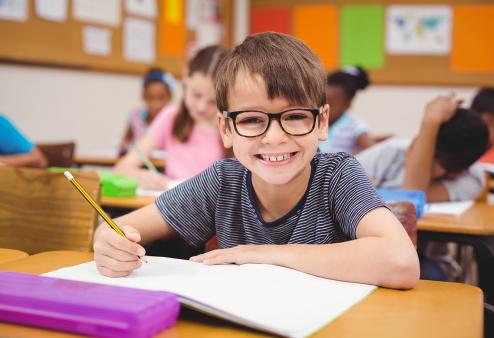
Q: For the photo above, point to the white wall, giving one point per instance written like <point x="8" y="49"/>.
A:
<point x="51" y="104"/>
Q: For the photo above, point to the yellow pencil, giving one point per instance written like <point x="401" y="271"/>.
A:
<point x="100" y="211"/>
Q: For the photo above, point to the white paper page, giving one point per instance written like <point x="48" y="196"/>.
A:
<point x="52" y="10"/>
<point x="15" y="10"/>
<point x="272" y="298"/>
<point x="106" y="12"/>
<point x="448" y="208"/>
<point x="139" y="40"/>
<point x="96" y="41"/>
<point x="418" y="29"/>
<point x="145" y="8"/>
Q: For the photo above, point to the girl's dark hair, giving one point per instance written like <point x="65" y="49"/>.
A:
<point x="350" y="78"/>
<point x="206" y="61"/>
<point x="461" y="140"/>
<point x="483" y="102"/>
<point x="158" y="75"/>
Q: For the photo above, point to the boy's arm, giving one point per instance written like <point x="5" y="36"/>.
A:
<point x="116" y="256"/>
<point x="34" y="159"/>
<point x="381" y="255"/>
<point x="420" y="155"/>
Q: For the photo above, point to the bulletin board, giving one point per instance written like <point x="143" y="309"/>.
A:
<point x="47" y="43"/>
<point x="325" y="32"/>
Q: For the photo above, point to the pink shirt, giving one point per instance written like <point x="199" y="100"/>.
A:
<point x="184" y="160"/>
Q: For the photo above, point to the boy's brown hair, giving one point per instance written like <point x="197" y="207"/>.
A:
<point x="206" y="61"/>
<point x="288" y="67"/>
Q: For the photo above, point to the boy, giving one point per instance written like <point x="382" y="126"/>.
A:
<point x="278" y="202"/>
<point x="439" y="160"/>
<point x="16" y="150"/>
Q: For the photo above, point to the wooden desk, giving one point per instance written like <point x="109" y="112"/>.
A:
<point x="9" y="255"/>
<point x="109" y="161"/>
<point x="477" y="220"/>
<point x="126" y="202"/>
<point x="432" y="309"/>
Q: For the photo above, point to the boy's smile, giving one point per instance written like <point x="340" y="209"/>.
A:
<point x="275" y="157"/>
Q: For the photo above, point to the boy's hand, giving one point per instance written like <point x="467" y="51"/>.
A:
<point x="441" y="109"/>
<point x="240" y="254"/>
<point x="115" y="255"/>
<point x="154" y="181"/>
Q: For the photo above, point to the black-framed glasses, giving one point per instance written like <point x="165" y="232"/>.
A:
<point x="252" y="123"/>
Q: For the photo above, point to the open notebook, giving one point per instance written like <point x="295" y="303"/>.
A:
<point x="269" y="298"/>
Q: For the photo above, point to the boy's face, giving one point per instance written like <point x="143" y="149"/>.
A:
<point x="274" y="157"/>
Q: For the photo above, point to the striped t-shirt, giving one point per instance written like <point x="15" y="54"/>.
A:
<point x="221" y="201"/>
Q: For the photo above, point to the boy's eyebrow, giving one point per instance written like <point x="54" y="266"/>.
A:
<point x="256" y="108"/>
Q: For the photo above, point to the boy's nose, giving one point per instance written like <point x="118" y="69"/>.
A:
<point x="274" y="134"/>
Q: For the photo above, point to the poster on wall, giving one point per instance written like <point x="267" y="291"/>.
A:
<point x="139" y="38"/>
<point x="145" y="8"/>
<point x="15" y="10"/>
<point x="52" y="10"/>
<point x="418" y="30"/>
<point x="106" y="12"/>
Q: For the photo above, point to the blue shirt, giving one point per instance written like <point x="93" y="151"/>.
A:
<point x="221" y="201"/>
<point x="12" y="141"/>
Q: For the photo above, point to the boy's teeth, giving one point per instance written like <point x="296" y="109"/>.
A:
<point x="275" y="158"/>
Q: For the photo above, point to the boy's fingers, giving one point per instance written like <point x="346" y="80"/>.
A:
<point x="116" y="265"/>
<point x="108" y="250"/>
<point x="127" y="245"/>
<point x="131" y="233"/>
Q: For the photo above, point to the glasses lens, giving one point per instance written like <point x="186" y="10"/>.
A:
<point x="251" y="123"/>
<point x="297" y="122"/>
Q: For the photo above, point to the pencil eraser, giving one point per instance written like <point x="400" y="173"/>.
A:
<point x="68" y="175"/>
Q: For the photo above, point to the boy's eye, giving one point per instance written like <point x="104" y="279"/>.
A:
<point x="295" y="116"/>
<point x="250" y="120"/>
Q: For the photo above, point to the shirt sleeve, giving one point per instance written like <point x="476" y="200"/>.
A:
<point x="359" y="128"/>
<point x="12" y="141"/>
<point x="189" y="208"/>
<point x="468" y="186"/>
<point x="353" y="196"/>
<point x="161" y="126"/>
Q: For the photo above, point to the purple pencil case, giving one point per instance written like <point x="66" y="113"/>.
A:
<point x="86" y="308"/>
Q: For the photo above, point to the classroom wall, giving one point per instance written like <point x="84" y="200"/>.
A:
<point x="52" y="104"/>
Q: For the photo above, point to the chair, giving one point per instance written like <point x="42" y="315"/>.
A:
<point x="42" y="211"/>
<point x="58" y="154"/>
<point x="407" y="215"/>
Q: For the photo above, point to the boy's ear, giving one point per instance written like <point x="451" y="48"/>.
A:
<point x="225" y="131"/>
<point x="323" y="123"/>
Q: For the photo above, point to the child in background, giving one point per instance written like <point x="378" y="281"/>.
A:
<point x="483" y="103"/>
<point x="346" y="132"/>
<point x="439" y="160"/>
<point x="280" y="201"/>
<point x="157" y="92"/>
<point x="16" y="150"/>
<point x="188" y="133"/>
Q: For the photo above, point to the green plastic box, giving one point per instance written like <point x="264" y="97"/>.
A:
<point x="117" y="185"/>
